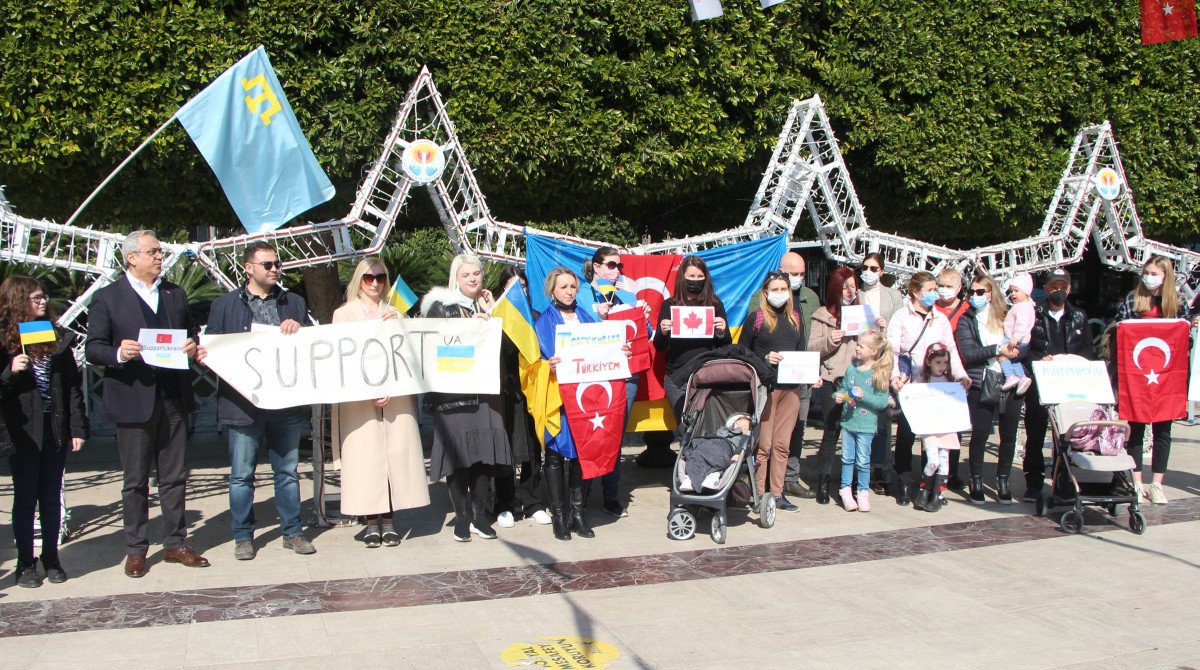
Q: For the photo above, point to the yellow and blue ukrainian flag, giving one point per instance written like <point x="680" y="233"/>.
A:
<point x="401" y="296"/>
<point x="517" y="316"/>
<point x="36" y="332"/>
<point x="246" y="130"/>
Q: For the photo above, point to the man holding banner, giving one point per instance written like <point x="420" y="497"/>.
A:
<point x="149" y="404"/>
<point x="260" y="303"/>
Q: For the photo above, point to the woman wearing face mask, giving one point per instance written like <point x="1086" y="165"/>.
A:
<point x="826" y="336"/>
<point x="693" y="288"/>
<point x="883" y="301"/>
<point x="470" y="444"/>
<point x="773" y="328"/>
<point x="910" y="332"/>
<point x="980" y="339"/>
<point x="1154" y="298"/>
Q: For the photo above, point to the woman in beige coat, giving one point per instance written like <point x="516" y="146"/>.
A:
<point x="378" y="442"/>
<point x="825" y="335"/>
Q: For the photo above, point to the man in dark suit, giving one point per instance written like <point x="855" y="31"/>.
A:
<point x="150" y="405"/>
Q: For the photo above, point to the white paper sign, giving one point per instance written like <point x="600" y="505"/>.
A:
<point x="590" y="352"/>
<point x="693" y="322"/>
<point x="857" y="318"/>
<point x="799" y="367"/>
<point x="705" y="9"/>
<point x="934" y="409"/>
<point x="363" y="360"/>
<point x="1060" y="381"/>
<point x="163" y="348"/>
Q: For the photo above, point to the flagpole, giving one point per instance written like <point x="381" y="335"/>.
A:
<point x="120" y="167"/>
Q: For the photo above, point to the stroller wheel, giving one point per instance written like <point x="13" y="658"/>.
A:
<point x="681" y="524"/>
<point x="766" y="510"/>
<point x="717" y="529"/>
<point x="1071" y="521"/>
<point x="1112" y="509"/>
<point x="1137" y="522"/>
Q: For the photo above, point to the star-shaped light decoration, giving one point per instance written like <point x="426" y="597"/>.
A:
<point x="597" y="421"/>
<point x="1151" y="378"/>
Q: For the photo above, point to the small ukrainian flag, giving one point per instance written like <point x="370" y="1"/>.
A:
<point x="455" y="358"/>
<point x="36" y="332"/>
<point x="401" y="296"/>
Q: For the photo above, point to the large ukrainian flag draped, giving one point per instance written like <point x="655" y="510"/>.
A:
<point x="246" y="130"/>
<point x="737" y="272"/>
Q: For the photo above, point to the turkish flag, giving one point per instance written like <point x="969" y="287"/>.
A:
<point x="595" y="413"/>
<point x="1167" y="20"/>
<point x="162" y="338"/>
<point x="650" y="278"/>
<point x="635" y="335"/>
<point x="1152" y="369"/>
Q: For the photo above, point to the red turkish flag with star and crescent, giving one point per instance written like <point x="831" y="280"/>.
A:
<point x="635" y="335"/>
<point x="650" y="278"/>
<point x="1152" y="369"/>
<point x="594" y="411"/>
<point x="1167" y="20"/>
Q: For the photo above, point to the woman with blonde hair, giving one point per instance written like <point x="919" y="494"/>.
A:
<point x="378" y="442"/>
<point x="1154" y="298"/>
<point x="470" y="443"/>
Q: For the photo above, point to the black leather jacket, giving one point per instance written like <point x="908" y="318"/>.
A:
<point x="1077" y="339"/>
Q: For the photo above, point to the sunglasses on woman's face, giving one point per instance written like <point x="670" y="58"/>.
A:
<point x="612" y="265"/>
<point x="871" y="268"/>
<point x="371" y="279"/>
<point x="978" y="291"/>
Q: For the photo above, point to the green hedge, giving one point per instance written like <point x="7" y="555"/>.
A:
<point x="956" y="117"/>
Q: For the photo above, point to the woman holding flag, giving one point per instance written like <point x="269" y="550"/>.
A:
<point x="470" y="444"/>
<point x="377" y="440"/>
<point x="1154" y="298"/>
<point x="42" y="394"/>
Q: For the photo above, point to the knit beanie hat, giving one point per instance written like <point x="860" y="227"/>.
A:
<point x="1022" y="281"/>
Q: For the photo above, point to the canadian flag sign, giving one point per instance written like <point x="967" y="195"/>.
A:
<point x="594" y="416"/>
<point x="1152" y="369"/>
<point x="693" y="322"/>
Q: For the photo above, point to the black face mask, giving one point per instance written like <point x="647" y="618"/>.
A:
<point x="1058" y="299"/>
<point x="562" y="307"/>
<point x="694" y="285"/>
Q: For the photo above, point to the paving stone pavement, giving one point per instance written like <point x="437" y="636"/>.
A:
<point x="977" y="587"/>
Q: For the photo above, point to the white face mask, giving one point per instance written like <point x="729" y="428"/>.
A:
<point x="1152" y="281"/>
<point x="870" y="278"/>
<point x="946" y="294"/>
<point x="796" y="281"/>
<point x="777" y="300"/>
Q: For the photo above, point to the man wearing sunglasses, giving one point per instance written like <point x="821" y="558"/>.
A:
<point x="258" y="304"/>
<point x="1058" y="328"/>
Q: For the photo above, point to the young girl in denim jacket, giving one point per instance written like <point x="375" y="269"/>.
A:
<point x="864" y="394"/>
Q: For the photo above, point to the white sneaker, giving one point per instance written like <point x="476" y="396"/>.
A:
<point x="505" y="520"/>
<point x="541" y="517"/>
<point x="1155" y="493"/>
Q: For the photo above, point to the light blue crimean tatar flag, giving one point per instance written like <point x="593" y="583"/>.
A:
<point x="246" y="130"/>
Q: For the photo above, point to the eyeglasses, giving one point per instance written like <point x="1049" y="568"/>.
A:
<point x="978" y="291"/>
<point x="872" y="268"/>
<point x="39" y="297"/>
<point x="612" y="265"/>
<point x="371" y="279"/>
<point x="156" y="253"/>
<point x="270" y="265"/>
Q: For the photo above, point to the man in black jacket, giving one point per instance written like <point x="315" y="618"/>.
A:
<point x="1058" y="328"/>
<point x="149" y="404"/>
<point x="260" y="303"/>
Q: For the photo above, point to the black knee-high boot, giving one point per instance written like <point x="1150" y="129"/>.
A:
<point x="457" y="483"/>
<point x="578" y="523"/>
<point x="556" y="484"/>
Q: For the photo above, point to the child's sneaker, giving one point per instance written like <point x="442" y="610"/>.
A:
<point x="1010" y="382"/>
<point x="1023" y="385"/>
<point x="847" y="499"/>
<point x="864" y="500"/>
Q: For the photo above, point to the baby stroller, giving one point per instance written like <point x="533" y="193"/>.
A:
<point x="716" y="390"/>
<point x="1091" y="466"/>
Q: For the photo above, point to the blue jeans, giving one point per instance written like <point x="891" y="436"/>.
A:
<point x="1014" y="368"/>
<point x="280" y="429"/>
<point x="856" y="458"/>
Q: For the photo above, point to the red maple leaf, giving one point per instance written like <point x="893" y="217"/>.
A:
<point x="693" y="321"/>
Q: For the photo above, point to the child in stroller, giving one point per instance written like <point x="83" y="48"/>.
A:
<point x="706" y="458"/>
